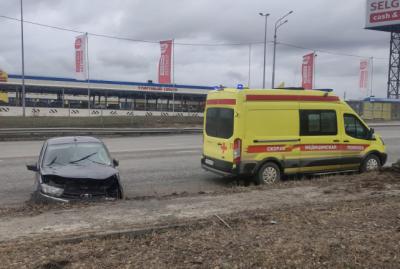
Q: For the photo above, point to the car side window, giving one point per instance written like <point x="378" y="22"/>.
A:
<point x="318" y="122"/>
<point x="354" y="127"/>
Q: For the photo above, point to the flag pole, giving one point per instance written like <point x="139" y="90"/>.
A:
<point x="372" y="75"/>
<point x="173" y="74"/>
<point x="23" y="61"/>
<point x="249" y="75"/>
<point x="173" y="61"/>
<point x="314" y="66"/>
<point x="88" y="70"/>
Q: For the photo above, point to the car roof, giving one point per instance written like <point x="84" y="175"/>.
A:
<point x="72" y="139"/>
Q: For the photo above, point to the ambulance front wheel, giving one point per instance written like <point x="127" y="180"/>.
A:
<point x="268" y="174"/>
<point x="371" y="163"/>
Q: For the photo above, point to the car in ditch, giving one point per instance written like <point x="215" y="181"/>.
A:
<point x="76" y="168"/>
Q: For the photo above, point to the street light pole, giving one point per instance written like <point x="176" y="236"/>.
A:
<point x="278" y="24"/>
<point x="23" y="60"/>
<point x="265" y="44"/>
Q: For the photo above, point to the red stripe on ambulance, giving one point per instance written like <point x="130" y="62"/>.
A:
<point x="322" y="147"/>
<point x="355" y="147"/>
<point x="221" y="102"/>
<point x="292" y="98"/>
<point x="268" y="148"/>
<point x="305" y="148"/>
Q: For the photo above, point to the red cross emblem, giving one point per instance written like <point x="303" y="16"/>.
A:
<point x="223" y="148"/>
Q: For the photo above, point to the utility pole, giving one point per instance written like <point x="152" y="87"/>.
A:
<point x="249" y="75"/>
<point x="278" y="24"/>
<point x="23" y="60"/>
<point x="372" y="76"/>
<point x="266" y="15"/>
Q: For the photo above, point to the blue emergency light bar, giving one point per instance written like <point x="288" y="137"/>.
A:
<point x="324" y="90"/>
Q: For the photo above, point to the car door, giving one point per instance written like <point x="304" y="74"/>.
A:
<point x="218" y="135"/>
<point x="356" y="140"/>
<point x="320" y="149"/>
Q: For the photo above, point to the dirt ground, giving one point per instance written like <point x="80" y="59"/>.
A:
<point x="359" y="233"/>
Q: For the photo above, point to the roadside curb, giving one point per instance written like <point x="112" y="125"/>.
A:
<point x="377" y="125"/>
<point x="40" y="133"/>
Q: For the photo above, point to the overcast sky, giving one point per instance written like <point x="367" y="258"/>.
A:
<point x="328" y="25"/>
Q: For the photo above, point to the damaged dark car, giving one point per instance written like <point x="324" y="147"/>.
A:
<point x="76" y="168"/>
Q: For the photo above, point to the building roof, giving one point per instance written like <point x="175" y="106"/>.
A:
<point x="51" y="85"/>
<point x="381" y="100"/>
<point x="110" y="82"/>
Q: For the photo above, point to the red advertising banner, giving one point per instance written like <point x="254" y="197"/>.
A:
<point x="3" y="76"/>
<point x="307" y="71"/>
<point x="80" y="57"/>
<point x="364" y="70"/>
<point x="164" y="66"/>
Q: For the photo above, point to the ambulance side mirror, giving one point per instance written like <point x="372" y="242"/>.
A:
<point x="371" y="134"/>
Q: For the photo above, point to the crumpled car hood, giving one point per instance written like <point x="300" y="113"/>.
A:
<point x="92" y="171"/>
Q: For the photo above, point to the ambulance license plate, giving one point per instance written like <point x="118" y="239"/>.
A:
<point x="209" y="162"/>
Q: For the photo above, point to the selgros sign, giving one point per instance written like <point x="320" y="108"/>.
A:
<point x="383" y="15"/>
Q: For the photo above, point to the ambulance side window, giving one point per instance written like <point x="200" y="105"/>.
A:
<point x="354" y="127"/>
<point x="318" y="122"/>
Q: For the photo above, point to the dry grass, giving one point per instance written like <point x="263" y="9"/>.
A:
<point x="358" y="234"/>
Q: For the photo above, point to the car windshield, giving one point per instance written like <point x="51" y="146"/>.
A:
<point x="76" y="153"/>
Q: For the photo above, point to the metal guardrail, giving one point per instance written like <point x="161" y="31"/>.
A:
<point x="23" y="132"/>
<point x="384" y="124"/>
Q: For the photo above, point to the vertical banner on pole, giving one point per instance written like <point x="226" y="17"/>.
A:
<point x="80" y="57"/>
<point x="164" y="66"/>
<point x="364" y="70"/>
<point x="3" y="76"/>
<point x="307" y="71"/>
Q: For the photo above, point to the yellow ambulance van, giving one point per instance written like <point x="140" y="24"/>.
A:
<point x="270" y="133"/>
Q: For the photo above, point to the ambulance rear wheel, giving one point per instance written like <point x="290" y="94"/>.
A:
<point x="268" y="174"/>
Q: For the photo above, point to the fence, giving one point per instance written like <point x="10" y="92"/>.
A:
<point x="75" y="112"/>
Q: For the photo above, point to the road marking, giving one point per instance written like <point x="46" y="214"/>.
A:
<point x="188" y="151"/>
<point x="156" y="149"/>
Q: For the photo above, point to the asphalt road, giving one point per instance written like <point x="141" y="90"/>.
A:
<point x="149" y="166"/>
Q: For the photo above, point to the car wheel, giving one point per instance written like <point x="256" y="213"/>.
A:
<point x="371" y="163"/>
<point x="268" y="174"/>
